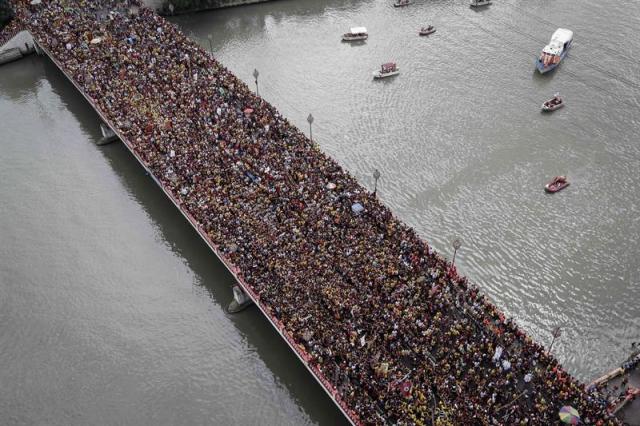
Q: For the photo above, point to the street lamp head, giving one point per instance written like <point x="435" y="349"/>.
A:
<point x="255" y="74"/>
<point x="310" y="119"/>
<point x="376" y="174"/>
<point x="457" y="243"/>
<point x="210" y="37"/>
<point x="171" y="8"/>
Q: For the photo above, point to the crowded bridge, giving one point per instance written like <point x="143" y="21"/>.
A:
<point x="385" y="323"/>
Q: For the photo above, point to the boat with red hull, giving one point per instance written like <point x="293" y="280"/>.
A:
<point x="558" y="183"/>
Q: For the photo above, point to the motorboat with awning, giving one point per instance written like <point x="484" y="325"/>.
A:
<point x="555" y="51"/>
<point x="355" y="34"/>
<point x="387" y="70"/>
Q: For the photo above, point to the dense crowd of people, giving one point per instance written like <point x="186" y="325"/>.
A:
<point x="9" y="29"/>
<point x="6" y="13"/>
<point x="387" y="321"/>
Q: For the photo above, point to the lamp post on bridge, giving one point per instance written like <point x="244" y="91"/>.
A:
<point x="255" y="76"/>
<point x="556" y="332"/>
<point x="457" y="243"/>
<point x="376" y="176"/>
<point x="210" y="38"/>
<point x="310" y="121"/>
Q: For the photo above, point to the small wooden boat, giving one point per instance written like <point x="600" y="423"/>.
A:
<point x="553" y="104"/>
<point x="557" y="183"/>
<point x="401" y="3"/>
<point x="387" y="70"/>
<point x="424" y="31"/>
<point x="480" y="3"/>
<point x="356" y="34"/>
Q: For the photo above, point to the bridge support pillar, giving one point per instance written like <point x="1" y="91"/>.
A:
<point x="108" y="135"/>
<point x="36" y="48"/>
<point x="19" y="46"/>
<point x="240" y="301"/>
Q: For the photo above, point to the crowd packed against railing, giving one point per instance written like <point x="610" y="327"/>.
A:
<point x="633" y="362"/>
<point x="8" y="33"/>
<point x="385" y="319"/>
<point x="17" y="23"/>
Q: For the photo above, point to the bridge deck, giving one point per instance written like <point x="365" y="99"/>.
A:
<point x="384" y="324"/>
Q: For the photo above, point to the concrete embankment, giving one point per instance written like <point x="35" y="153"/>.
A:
<point x="197" y="5"/>
<point x="19" y="46"/>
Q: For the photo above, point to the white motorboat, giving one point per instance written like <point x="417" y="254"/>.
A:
<point x="387" y="70"/>
<point x="555" y="51"/>
<point x="480" y="3"/>
<point x="355" y="34"/>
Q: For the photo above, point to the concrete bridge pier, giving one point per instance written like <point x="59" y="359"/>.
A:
<point x="28" y="49"/>
<point x="108" y="135"/>
<point x="240" y="301"/>
<point x="36" y="48"/>
<point x="19" y="46"/>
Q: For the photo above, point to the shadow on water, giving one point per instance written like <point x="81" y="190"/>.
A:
<point x="186" y="243"/>
<point x="543" y="80"/>
<point x="385" y="81"/>
<point x="481" y="10"/>
<point x="25" y="76"/>
<point x="357" y="43"/>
